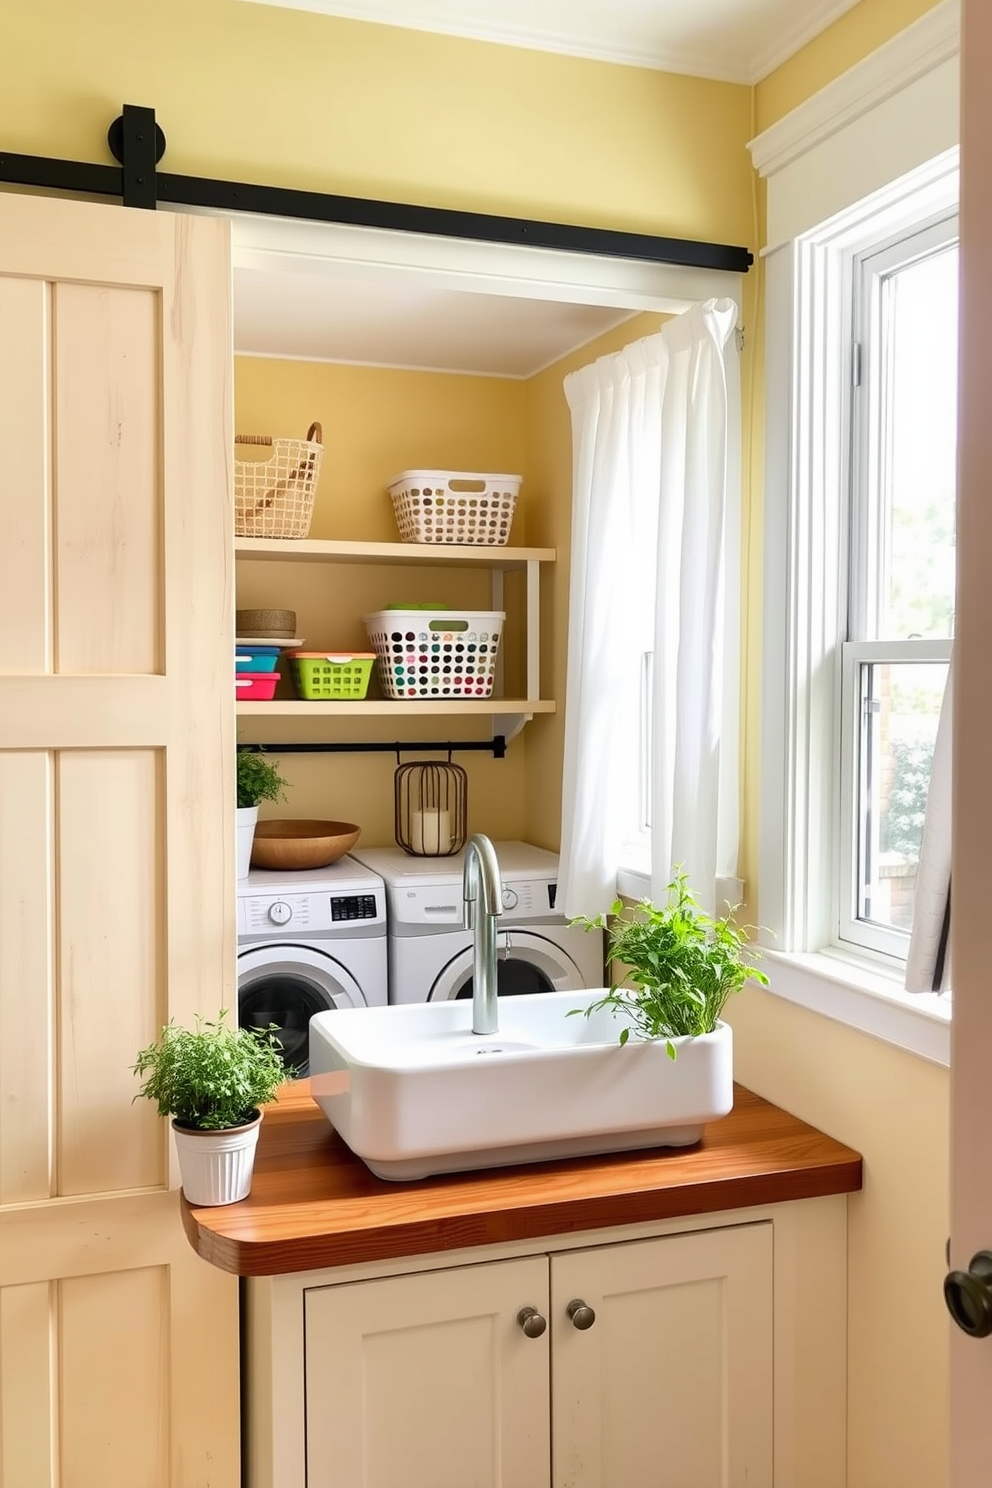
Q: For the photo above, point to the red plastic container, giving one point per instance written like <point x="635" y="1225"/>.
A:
<point x="255" y="687"/>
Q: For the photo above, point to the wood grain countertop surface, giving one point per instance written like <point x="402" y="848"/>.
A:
<point x="314" y="1204"/>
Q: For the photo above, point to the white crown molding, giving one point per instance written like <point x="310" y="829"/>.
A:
<point x="794" y="39"/>
<point x="691" y="62"/>
<point x="653" y="59"/>
<point x="923" y="46"/>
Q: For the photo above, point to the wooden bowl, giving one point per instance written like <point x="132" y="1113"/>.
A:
<point x="301" y="844"/>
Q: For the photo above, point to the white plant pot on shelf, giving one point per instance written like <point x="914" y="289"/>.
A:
<point x="216" y="1166"/>
<point x="246" y="817"/>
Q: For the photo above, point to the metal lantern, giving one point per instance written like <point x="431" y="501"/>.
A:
<point x="431" y="808"/>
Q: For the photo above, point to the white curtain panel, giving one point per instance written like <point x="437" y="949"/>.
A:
<point x="655" y="568"/>
<point x="928" y="965"/>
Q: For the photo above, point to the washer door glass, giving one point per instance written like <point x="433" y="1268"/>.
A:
<point x="525" y="962"/>
<point x="283" y="986"/>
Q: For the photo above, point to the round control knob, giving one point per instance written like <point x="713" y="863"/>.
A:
<point x="582" y="1316"/>
<point x="509" y="898"/>
<point x="968" y="1295"/>
<point x="280" y="913"/>
<point x="531" y="1321"/>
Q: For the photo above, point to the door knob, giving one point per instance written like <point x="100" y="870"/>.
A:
<point x="582" y="1316"/>
<point x="531" y="1321"/>
<point x="968" y="1295"/>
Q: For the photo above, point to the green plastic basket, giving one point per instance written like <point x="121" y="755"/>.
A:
<point x="332" y="675"/>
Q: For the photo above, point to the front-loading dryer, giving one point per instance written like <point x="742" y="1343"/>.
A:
<point x="430" y="951"/>
<point x="309" y="944"/>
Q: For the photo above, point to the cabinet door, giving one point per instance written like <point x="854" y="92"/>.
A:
<point x="428" y="1381"/>
<point x="671" y="1385"/>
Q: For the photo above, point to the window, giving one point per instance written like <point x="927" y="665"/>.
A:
<point x="861" y="169"/>
<point x="858" y="594"/>
<point x="900" y="599"/>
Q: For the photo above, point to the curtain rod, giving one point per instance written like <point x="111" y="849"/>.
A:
<point x="138" y="142"/>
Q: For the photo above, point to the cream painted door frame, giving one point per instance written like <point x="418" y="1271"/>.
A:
<point x="118" y="1347"/>
<point x="971" y="1035"/>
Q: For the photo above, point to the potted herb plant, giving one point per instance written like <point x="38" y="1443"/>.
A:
<point x="212" y="1080"/>
<point x="680" y="967"/>
<point x="258" y="780"/>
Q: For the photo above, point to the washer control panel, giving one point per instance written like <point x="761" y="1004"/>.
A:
<point x="411" y="903"/>
<point x="315" y="912"/>
<point x="352" y="907"/>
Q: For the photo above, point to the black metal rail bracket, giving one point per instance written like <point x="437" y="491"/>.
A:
<point x="137" y="141"/>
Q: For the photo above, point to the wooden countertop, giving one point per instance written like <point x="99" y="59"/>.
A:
<point x="314" y="1204"/>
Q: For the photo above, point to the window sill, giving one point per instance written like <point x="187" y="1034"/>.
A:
<point x="635" y="883"/>
<point x="850" y="992"/>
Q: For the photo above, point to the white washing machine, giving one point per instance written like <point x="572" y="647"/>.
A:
<point x="307" y="944"/>
<point x="430" y="951"/>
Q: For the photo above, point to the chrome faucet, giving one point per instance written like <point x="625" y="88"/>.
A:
<point x="481" y="882"/>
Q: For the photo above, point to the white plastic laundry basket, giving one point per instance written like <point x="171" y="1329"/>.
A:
<point x="430" y="653"/>
<point x="454" y="506"/>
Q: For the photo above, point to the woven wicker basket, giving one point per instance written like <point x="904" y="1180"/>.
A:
<point x="274" y="497"/>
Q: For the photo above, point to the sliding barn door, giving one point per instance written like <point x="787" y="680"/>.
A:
<point x="118" y="1347"/>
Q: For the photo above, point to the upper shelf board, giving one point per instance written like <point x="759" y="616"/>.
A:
<point x="317" y="550"/>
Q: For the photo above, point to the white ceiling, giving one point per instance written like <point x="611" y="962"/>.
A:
<point x="385" y="320"/>
<point x="739" y="41"/>
<point x="342" y="317"/>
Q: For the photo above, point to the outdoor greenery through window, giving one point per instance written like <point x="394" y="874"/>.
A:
<point x="901" y="597"/>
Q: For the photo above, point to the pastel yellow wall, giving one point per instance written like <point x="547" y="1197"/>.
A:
<point x="378" y="422"/>
<point x="891" y="1106"/>
<point x="293" y="98"/>
<point x="860" y="31"/>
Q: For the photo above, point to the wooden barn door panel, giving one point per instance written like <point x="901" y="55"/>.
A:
<point x="118" y="1347"/>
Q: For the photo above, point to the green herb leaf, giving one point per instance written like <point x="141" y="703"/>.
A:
<point x="212" y="1076"/>
<point x="680" y="966"/>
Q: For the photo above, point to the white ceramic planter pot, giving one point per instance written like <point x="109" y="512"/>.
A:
<point x="216" y="1166"/>
<point x="246" y="817"/>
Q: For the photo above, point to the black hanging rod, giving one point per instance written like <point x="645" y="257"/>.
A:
<point x="496" y="746"/>
<point x="137" y="141"/>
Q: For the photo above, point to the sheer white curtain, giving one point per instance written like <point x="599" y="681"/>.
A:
<point x="655" y="568"/>
<point x="928" y="965"/>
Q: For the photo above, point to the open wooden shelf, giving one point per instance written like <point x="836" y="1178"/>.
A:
<point x="508" y="714"/>
<point x="322" y="550"/>
<point x="383" y="708"/>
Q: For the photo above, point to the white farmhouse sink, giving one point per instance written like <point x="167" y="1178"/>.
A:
<point x="413" y="1091"/>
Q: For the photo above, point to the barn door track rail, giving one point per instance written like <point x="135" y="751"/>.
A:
<point x="137" y="141"/>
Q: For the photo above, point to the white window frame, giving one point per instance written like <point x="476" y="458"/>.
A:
<point x="869" y="264"/>
<point x="884" y="130"/>
<point x="855" y="935"/>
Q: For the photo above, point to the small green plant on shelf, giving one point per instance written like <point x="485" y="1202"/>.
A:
<point x="680" y="963"/>
<point x="211" y="1077"/>
<point x="258" y="780"/>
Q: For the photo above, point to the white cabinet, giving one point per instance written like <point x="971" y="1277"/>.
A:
<point x="427" y="1381"/>
<point x="696" y="1356"/>
<point x="671" y="1384"/>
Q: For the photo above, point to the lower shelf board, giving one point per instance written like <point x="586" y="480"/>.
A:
<point x="408" y="708"/>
